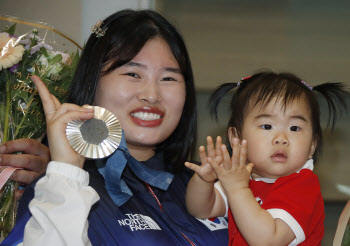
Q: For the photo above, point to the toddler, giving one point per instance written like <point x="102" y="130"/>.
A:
<point x="266" y="186"/>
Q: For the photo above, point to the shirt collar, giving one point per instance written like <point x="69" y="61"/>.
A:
<point x="308" y="165"/>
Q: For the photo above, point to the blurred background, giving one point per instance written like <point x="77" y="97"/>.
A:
<point x="231" y="39"/>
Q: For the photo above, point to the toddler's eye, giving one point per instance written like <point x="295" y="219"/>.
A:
<point x="295" y="128"/>
<point x="266" y="127"/>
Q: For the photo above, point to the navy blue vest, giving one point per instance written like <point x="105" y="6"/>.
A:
<point x="146" y="219"/>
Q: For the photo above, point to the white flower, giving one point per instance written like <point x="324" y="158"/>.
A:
<point x="57" y="66"/>
<point x="65" y="57"/>
<point x="22" y="105"/>
<point x="11" y="52"/>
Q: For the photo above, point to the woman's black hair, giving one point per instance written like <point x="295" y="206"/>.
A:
<point x="261" y="88"/>
<point x="128" y="31"/>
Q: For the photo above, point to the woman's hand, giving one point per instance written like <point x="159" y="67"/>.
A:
<point x="205" y="171"/>
<point x="57" y="117"/>
<point x="33" y="160"/>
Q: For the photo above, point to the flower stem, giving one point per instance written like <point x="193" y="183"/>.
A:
<point x="21" y="123"/>
<point x="8" y="107"/>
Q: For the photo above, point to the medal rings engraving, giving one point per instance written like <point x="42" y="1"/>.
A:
<point x="96" y="138"/>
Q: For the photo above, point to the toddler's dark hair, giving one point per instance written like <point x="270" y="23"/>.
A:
<point x="261" y="88"/>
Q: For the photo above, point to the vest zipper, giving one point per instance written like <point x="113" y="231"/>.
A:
<point x="192" y="244"/>
<point x="154" y="195"/>
<point x="161" y="209"/>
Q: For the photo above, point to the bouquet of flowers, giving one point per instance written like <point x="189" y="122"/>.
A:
<point x="22" y="54"/>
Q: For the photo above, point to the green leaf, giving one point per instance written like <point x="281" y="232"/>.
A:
<point x="11" y="29"/>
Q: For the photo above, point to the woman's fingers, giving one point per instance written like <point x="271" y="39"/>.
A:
<point x="24" y="176"/>
<point x="70" y="115"/>
<point x="57" y="138"/>
<point x="56" y="101"/>
<point x="25" y="161"/>
<point x="27" y="146"/>
<point x="49" y="103"/>
<point x="18" y="194"/>
<point x="34" y="159"/>
<point x="68" y="107"/>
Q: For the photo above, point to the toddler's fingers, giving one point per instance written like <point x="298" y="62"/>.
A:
<point x="202" y="155"/>
<point x="218" y="146"/>
<point x="250" y="167"/>
<point x="213" y="163"/>
<point x="210" y="147"/>
<point x="192" y="166"/>
<point x="235" y="152"/>
<point x="243" y="153"/>
<point x="226" y="155"/>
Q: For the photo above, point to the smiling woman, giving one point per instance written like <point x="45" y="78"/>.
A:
<point x="147" y="95"/>
<point x="136" y="65"/>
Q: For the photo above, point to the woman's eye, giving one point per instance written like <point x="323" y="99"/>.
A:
<point x="134" y="75"/>
<point x="295" y="128"/>
<point x="266" y="127"/>
<point x="168" y="79"/>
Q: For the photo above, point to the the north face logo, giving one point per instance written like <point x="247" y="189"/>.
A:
<point x="139" y="222"/>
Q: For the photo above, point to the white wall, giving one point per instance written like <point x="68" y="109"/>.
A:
<point x="93" y="10"/>
<point x="72" y="17"/>
<point x="63" y="15"/>
<point x="230" y="39"/>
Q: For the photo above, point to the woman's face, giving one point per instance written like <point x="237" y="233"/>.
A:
<point x="147" y="95"/>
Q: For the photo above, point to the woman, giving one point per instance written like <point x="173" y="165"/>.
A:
<point x="135" y="63"/>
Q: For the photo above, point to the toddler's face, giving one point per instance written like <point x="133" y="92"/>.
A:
<point x="279" y="139"/>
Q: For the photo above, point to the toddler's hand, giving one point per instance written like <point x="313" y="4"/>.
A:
<point x="205" y="171"/>
<point x="233" y="173"/>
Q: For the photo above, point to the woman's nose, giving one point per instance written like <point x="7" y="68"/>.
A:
<point x="150" y="93"/>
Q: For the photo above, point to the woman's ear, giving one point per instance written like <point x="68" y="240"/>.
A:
<point x="232" y="133"/>
<point x="312" y="149"/>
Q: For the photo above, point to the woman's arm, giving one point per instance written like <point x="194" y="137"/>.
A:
<point x="60" y="207"/>
<point x="62" y="198"/>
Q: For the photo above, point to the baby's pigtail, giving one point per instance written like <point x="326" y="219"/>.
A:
<point x="216" y="97"/>
<point x="335" y="95"/>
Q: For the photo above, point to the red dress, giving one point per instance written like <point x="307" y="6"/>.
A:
<point x="296" y="199"/>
